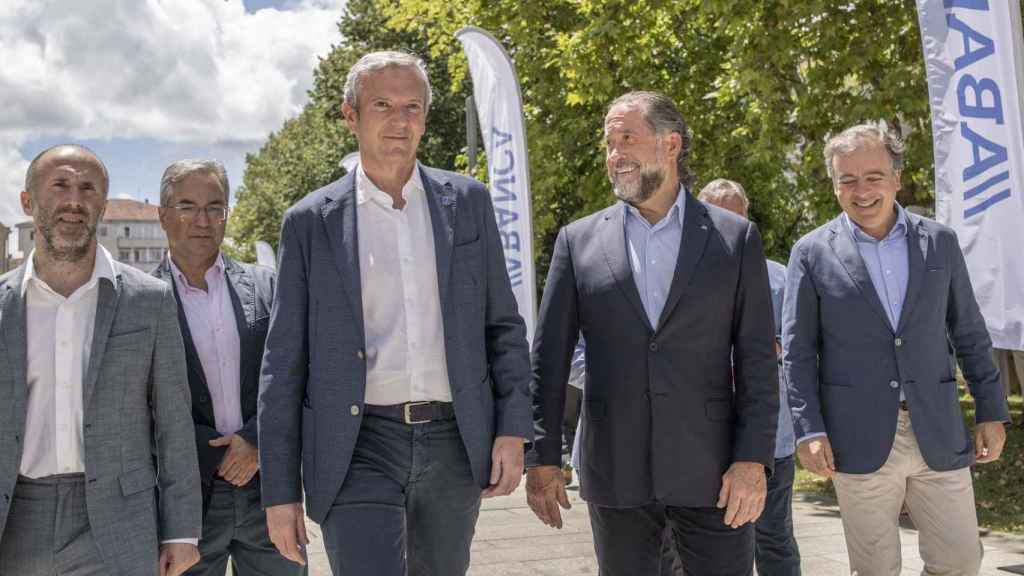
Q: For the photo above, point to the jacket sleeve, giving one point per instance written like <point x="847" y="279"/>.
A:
<point x="970" y="339"/>
<point x="755" y="367"/>
<point x="553" y="344"/>
<point x="508" y="353"/>
<point x="180" y="501"/>
<point x="800" y="321"/>
<point x="284" y="374"/>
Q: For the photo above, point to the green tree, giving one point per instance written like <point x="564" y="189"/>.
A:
<point x="305" y="154"/>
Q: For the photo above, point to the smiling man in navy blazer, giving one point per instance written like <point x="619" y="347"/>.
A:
<point x="874" y="300"/>
<point x="396" y="370"/>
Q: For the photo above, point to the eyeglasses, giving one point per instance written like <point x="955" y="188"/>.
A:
<point x="216" y="214"/>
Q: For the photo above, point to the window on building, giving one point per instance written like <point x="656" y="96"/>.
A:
<point x="123" y="255"/>
<point x="127" y="232"/>
<point x="103" y="231"/>
<point x="32" y="235"/>
<point x="138" y="255"/>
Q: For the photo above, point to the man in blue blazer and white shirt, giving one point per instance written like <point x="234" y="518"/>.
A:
<point x="396" y="369"/>
<point x="874" y="301"/>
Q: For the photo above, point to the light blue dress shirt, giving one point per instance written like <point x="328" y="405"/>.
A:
<point x="785" y="440"/>
<point x="653" y="250"/>
<point x="888" y="264"/>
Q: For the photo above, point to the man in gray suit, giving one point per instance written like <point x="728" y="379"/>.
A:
<point x="223" y="311"/>
<point x="94" y="405"/>
<point x="874" y="300"/>
<point x="681" y="398"/>
<point x="396" y="370"/>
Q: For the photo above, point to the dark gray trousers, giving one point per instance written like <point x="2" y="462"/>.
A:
<point x="235" y="526"/>
<point x="47" y="531"/>
<point x="408" y="505"/>
<point x="629" y="541"/>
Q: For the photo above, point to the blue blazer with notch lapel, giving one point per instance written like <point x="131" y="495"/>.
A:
<point x="665" y="417"/>
<point x="313" y="381"/>
<point x="251" y="289"/>
<point x="846" y="365"/>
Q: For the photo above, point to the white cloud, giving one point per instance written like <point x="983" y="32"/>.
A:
<point x="187" y="71"/>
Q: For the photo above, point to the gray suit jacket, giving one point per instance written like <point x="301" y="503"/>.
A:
<point x="314" y="374"/>
<point x="667" y="408"/>
<point x="846" y="365"/>
<point x="251" y="289"/>
<point x="142" y="480"/>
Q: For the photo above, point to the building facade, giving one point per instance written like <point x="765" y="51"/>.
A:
<point x="130" y="231"/>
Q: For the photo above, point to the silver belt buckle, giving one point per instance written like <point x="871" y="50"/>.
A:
<point x="408" y="413"/>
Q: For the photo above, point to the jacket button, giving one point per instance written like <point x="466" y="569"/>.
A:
<point x="653" y="346"/>
<point x="360" y="354"/>
<point x="894" y="384"/>
<point x="354" y="410"/>
<point x="899" y="342"/>
<point x="204" y="398"/>
<point x="7" y="497"/>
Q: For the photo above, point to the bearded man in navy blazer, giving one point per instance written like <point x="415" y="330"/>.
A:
<point x="396" y="370"/>
<point x="672" y="297"/>
<point x="874" y="301"/>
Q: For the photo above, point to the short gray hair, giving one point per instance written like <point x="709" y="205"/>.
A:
<point x="716" y="191"/>
<point x="865" y="136"/>
<point x="376" y="61"/>
<point x="662" y="115"/>
<point x="182" y="169"/>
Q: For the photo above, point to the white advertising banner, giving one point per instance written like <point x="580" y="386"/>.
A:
<point x="500" y="108"/>
<point x="972" y="52"/>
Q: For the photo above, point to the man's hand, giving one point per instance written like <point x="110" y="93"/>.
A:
<point x="989" y="438"/>
<point x="744" y="489"/>
<point x="287" y="530"/>
<point x="816" y="456"/>
<point x="241" y="461"/>
<point x="545" y="492"/>
<point x="176" y="558"/>
<point x="506" y="466"/>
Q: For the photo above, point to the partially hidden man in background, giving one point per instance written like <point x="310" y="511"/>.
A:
<point x="94" y="401"/>
<point x="672" y="298"/>
<point x="876" y="300"/>
<point x="396" y="370"/>
<point x="223" y="311"/>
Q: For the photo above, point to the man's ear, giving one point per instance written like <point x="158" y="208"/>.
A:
<point x="350" y="114"/>
<point x="26" y="202"/>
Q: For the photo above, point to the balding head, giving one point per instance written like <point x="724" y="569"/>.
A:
<point x="63" y="152"/>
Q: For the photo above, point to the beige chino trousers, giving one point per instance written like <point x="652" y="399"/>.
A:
<point x="941" y="505"/>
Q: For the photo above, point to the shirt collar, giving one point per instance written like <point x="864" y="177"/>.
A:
<point x="366" y="190"/>
<point x="677" y="211"/>
<point x="102" y="267"/>
<point x="179" y="276"/>
<point x="899" y="229"/>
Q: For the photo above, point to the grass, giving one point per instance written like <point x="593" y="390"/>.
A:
<point x="998" y="486"/>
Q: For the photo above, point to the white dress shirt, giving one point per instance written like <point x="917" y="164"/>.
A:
<point x="59" y="332"/>
<point x="405" y="355"/>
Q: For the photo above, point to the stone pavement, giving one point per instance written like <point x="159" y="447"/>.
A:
<point x="510" y="541"/>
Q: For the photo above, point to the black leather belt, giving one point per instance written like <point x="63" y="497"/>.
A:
<point x="414" y="412"/>
<point x="903" y="406"/>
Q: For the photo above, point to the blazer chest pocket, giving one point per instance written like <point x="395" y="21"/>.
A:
<point x="138" y="480"/>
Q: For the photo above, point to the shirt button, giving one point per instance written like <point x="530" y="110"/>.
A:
<point x="354" y="410"/>
<point x="898" y="342"/>
<point x="894" y="384"/>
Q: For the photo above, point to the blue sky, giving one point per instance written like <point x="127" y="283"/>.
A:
<point x="147" y="83"/>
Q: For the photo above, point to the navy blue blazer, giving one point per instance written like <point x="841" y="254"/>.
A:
<point x="313" y="381"/>
<point x="251" y="289"/>
<point x="664" y="416"/>
<point x="846" y="365"/>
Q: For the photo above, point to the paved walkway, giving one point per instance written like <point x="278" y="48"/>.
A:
<point x="510" y="541"/>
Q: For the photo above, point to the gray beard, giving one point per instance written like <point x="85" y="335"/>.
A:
<point x="651" y="178"/>
<point x="72" y="251"/>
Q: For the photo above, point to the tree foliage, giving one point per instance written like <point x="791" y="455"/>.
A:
<point x="762" y="83"/>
